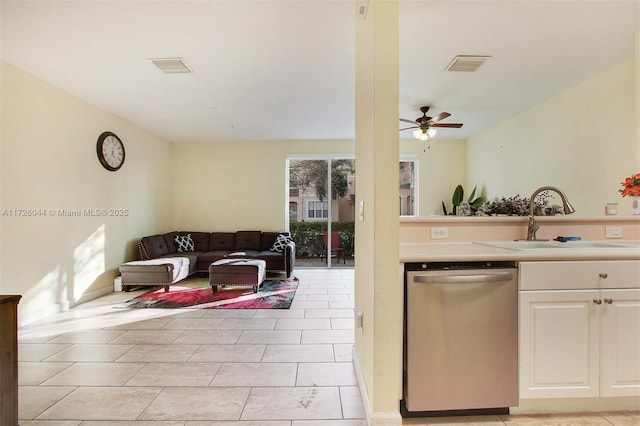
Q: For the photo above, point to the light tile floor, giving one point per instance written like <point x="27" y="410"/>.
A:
<point x="98" y="366"/>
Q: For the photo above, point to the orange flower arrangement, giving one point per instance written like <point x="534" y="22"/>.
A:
<point x="631" y="186"/>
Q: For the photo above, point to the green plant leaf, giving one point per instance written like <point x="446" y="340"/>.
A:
<point x="458" y="195"/>
<point x="477" y="202"/>
<point x="473" y="193"/>
<point x="444" y="209"/>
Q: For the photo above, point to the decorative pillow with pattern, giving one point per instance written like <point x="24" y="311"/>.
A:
<point x="280" y="243"/>
<point x="184" y="243"/>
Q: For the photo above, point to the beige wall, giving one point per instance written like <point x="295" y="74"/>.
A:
<point x="230" y="186"/>
<point x="364" y="347"/>
<point x="442" y="166"/>
<point x="637" y="95"/>
<point x="377" y="295"/>
<point x="49" y="162"/>
<point x="558" y="142"/>
<point x="583" y="141"/>
<point x="241" y="185"/>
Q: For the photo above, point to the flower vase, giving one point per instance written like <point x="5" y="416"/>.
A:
<point x="635" y="205"/>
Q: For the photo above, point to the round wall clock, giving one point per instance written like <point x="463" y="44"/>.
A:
<point x="110" y="151"/>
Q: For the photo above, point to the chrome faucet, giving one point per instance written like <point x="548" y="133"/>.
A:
<point x="532" y="228"/>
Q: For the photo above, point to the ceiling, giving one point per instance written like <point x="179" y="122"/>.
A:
<point x="284" y="69"/>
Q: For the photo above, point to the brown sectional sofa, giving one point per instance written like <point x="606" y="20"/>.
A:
<point x="212" y="246"/>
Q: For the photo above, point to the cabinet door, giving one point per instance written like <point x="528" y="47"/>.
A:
<point x="559" y="344"/>
<point x="620" y="366"/>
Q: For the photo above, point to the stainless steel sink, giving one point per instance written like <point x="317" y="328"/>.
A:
<point x="546" y="245"/>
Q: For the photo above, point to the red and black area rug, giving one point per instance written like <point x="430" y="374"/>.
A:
<point x="273" y="294"/>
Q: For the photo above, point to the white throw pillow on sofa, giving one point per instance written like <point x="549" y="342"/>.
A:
<point x="280" y="243"/>
<point x="184" y="243"/>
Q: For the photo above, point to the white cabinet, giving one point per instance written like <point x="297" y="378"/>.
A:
<point x="620" y="337"/>
<point x="577" y="341"/>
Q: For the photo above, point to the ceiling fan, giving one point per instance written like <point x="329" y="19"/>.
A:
<point x="425" y="126"/>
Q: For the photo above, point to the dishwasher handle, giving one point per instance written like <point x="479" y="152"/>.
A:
<point x="463" y="279"/>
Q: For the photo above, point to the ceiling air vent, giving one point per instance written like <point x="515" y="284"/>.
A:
<point x="466" y="63"/>
<point x="171" y="65"/>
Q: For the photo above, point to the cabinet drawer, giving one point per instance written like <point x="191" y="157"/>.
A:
<point x="569" y="275"/>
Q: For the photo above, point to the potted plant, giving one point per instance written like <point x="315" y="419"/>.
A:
<point x="631" y="188"/>
<point x="513" y="206"/>
<point x="458" y="199"/>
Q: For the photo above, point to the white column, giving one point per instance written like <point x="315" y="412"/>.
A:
<point x="378" y="344"/>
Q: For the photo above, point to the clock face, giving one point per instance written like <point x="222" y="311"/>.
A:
<point x="110" y="151"/>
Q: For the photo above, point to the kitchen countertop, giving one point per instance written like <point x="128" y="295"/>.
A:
<point x="480" y="251"/>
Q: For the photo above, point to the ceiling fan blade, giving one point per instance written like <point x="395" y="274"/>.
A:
<point x="407" y="128"/>
<point x="452" y="125"/>
<point x="439" y="117"/>
<point x="410" y="121"/>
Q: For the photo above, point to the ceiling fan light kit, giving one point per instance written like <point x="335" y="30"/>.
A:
<point x="425" y="126"/>
<point x="424" y="135"/>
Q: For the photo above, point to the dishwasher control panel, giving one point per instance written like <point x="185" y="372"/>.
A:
<point x="458" y="266"/>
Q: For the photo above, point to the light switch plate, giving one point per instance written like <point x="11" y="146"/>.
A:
<point x="358" y="319"/>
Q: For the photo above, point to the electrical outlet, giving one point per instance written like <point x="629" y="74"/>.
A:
<point x="439" y="233"/>
<point x="613" y="231"/>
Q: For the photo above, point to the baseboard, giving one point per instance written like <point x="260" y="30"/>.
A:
<point x="26" y="317"/>
<point x="50" y="310"/>
<point x="102" y="291"/>
<point x="373" y="418"/>
<point x="385" y="419"/>
<point x="362" y="385"/>
<point x="576" y="405"/>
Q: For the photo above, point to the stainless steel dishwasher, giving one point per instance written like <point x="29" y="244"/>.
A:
<point x="460" y="338"/>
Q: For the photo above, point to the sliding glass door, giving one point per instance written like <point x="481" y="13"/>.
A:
<point x="321" y="206"/>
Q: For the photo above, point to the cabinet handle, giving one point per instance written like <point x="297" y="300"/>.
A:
<point x="603" y="275"/>
<point x="608" y="301"/>
<point x="597" y="301"/>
